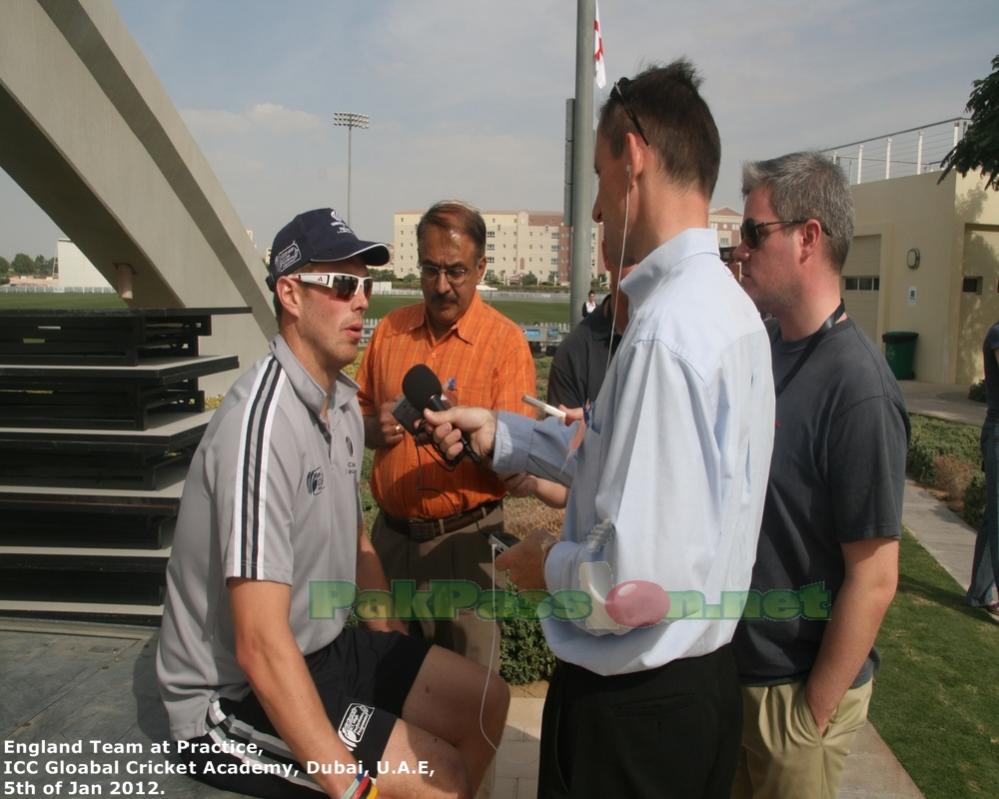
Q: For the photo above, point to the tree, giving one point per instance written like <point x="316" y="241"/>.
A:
<point x="979" y="148"/>
<point x="22" y="264"/>
<point x="4" y="266"/>
<point x="530" y="279"/>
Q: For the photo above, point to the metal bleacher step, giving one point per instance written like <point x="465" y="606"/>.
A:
<point x="91" y="517"/>
<point x="98" y="458"/>
<point x="110" y="397"/>
<point x="138" y="614"/>
<point x="83" y="574"/>
<point x="125" y="336"/>
<point x="100" y="415"/>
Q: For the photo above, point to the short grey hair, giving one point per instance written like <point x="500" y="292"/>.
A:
<point x="807" y="186"/>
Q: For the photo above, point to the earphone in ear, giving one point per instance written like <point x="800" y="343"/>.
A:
<point x="627" y="170"/>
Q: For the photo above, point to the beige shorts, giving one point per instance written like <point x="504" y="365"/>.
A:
<point x="782" y="753"/>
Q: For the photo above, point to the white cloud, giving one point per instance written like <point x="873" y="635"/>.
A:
<point x="279" y="119"/>
<point x="215" y="123"/>
<point x="270" y="117"/>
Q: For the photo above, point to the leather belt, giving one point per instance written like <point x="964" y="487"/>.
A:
<point x="429" y="529"/>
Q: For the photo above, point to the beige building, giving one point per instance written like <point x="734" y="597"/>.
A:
<point x="75" y="270"/>
<point x="925" y="258"/>
<point x="518" y="243"/>
<point x="726" y="222"/>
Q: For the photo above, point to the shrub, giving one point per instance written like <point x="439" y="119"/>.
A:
<point x="977" y="391"/>
<point x="953" y="476"/>
<point x="932" y="438"/>
<point x="524" y="653"/>
<point x="974" y="500"/>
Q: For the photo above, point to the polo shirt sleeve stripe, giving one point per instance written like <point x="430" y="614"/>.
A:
<point x="250" y="497"/>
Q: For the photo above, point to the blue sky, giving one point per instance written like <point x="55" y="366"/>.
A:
<point x="467" y="99"/>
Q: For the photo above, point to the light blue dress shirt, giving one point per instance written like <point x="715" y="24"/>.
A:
<point x="668" y="484"/>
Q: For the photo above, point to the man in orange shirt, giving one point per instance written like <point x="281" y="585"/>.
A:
<point x="435" y="521"/>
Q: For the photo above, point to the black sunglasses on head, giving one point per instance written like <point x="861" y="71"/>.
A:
<point x="750" y="229"/>
<point x="617" y="93"/>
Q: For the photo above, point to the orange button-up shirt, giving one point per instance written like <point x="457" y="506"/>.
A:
<point x="484" y="361"/>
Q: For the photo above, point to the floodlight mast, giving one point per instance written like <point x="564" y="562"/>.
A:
<point x="349" y="120"/>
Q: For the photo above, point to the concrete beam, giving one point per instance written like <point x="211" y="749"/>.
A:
<point x="91" y="135"/>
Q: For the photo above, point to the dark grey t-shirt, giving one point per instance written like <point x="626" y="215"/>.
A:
<point x="837" y="475"/>
<point x="580" y="362"/>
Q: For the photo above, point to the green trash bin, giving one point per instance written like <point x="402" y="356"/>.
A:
<point x="900" y="352"/>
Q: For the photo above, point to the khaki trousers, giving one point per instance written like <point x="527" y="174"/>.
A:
<point x="782" y="754"/>
<point x="456" y="556"/>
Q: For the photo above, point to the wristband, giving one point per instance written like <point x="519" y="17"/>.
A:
<point x="363" y="787"/>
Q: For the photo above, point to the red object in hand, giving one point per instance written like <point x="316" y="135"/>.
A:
<point x="638" y="603"/>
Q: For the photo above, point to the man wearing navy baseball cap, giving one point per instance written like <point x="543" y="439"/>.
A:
<point x="268" y="691"/>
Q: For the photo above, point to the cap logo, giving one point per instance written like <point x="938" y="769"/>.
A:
<point x="338" y="224"/>
<point x="288" y="257"/>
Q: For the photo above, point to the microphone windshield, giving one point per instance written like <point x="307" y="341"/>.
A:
<point x="419" y="385"/>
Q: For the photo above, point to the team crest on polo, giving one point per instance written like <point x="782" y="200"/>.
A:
<point x="354" y="723"/>
<point x="315" y="481"/>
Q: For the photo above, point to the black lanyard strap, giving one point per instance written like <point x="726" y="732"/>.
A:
<point x="813" y="342"/>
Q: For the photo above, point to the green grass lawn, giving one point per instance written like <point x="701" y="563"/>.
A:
<point x="521" y="312"/>
<point x="10" y="301"/>
<point x="936" y="701"/>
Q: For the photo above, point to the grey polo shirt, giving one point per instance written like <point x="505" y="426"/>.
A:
<point x="271" y="494"/>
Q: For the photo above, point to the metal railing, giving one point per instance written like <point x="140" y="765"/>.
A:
<point x="894" y="155"/>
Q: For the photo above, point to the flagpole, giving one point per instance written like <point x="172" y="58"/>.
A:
<point x="582" y="163"/>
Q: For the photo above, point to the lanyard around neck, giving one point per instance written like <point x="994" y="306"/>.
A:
<point x="813" y="342"/>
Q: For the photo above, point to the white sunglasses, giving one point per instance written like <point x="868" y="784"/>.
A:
<point x="343" y="285"/>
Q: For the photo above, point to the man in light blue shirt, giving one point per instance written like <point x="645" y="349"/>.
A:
<point x="667" y="480"/>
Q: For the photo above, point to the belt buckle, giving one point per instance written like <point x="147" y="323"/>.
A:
<point x="421" y="532"/>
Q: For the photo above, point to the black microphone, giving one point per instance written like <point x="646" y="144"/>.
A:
<point x="423" y="390"/>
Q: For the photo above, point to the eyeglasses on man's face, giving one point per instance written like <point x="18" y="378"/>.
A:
<point x="751" y="229"/>
<point x="618" y="91"/>
<point x="343" y="285"/>
<point x="456" y="275"/>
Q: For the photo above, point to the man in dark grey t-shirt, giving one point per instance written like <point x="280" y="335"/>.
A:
<point x="268" y="692"/>
<point x="827" y="560"/>
<point x="582" y="357"/>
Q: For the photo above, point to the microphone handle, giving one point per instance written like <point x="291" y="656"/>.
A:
<point x="438" y="403"/>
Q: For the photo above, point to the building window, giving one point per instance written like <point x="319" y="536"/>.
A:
<point x="490" y="234"/>
<point x="490" y="246"/>
<point x="971" y="285"/>
<point x="555" y="261"/>
<point x="862" y="283"/>
<point x="555" y="248"/>
<point x="490" y="259"/>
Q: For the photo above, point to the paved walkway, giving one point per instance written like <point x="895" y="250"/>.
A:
<point x="944" y="401"/>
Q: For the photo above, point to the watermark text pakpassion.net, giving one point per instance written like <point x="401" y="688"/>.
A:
<point x="444" y="599"/>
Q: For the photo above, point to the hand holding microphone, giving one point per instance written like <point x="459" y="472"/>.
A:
<point x="423" y="392"/>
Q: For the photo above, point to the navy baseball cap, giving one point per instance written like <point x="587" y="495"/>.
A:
<point x="319" y="236"/>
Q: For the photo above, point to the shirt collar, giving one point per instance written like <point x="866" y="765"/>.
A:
<point x="313" y="395"/>
<point x="669" y="257"/>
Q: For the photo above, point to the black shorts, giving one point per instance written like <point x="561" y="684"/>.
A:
<point x="363" y="679"/>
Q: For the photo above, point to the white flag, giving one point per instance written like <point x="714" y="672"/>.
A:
<point x="598" y="50"/>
